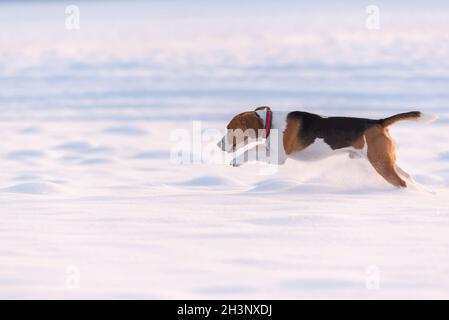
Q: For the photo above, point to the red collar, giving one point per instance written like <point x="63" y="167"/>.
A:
<point x="268" y="123"/>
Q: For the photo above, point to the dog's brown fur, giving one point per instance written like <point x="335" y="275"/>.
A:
<point x="290" y="139"/>
<point x="245" y="121"/>
<point x="382" y="154"/>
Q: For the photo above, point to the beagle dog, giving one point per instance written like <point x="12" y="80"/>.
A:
<point x="308" y="137"/>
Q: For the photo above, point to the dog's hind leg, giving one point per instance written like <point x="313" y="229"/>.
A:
<point x="382" y="156"/>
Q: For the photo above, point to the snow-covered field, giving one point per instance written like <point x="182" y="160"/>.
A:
<point x="93" y="206"/>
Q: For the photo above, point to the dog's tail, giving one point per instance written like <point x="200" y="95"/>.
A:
<point x="409" y="116"/>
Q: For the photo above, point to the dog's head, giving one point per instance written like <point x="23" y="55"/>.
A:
<point x="242" y="129"/>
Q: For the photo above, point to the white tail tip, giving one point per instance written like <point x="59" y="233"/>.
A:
<point x="427" y="117"/>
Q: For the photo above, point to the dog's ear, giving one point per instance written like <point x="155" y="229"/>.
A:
<point x="245" y="121"/>
<point x="251" y="124"/>
<point x="253" y="121"/>
<point x="242" y="127"/>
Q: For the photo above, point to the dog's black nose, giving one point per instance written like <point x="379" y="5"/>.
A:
<point x="221" y="145"/>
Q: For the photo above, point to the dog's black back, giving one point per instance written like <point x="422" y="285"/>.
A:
<point x="337" y="132"/>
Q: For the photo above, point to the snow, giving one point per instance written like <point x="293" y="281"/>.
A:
<point x="92" y="205"/>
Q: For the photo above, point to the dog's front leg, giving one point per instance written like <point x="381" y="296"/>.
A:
<point x="257" y="153"/>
